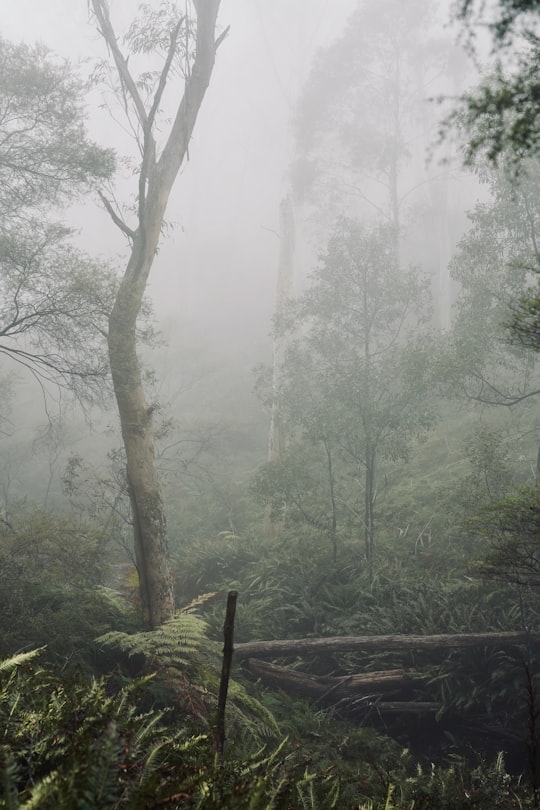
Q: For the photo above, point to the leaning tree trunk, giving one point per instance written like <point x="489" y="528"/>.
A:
<point x="149" y="524"/>
<point x="156" y="178"/>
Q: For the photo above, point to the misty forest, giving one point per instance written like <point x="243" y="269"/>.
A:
<point x="269" y="404"/>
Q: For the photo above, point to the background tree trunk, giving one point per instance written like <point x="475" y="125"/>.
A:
<point x="277" y="438"/>
<point x="277" y="435"/>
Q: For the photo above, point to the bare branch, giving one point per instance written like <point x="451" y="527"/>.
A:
<point x="221" y="37"/>
<point x="101" y="10"/>
<point x="497" y="397"/>
<point x="195" y="88"/>
<point x="115" y="218"/>
<point x="165" y="72"/>
<point x="506" y="399"/>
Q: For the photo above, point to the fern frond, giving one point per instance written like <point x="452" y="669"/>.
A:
<point x="115" y="599"/>
<point x="201" y="601"/>
<point x="8" y="780"/>
<point x="147" y="729"/>
<point x="44" y="793"/>
<point x="174" y="643"/>
<point x="9" y="664"/>
<point x="256" y="719"/>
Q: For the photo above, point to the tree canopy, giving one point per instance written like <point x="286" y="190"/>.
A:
<point x="54" y="298"/>
<point x="46" y="156"/>
<point x="501" y="117"/>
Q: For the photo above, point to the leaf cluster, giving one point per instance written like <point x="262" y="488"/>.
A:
<point x="46" y="158"/>
<point x="511" y="529"/>
<point x="55" y="301"/>
<point x="500" y="117"/>
<point x="506" y="22"/>
<point x="494" y="266"/>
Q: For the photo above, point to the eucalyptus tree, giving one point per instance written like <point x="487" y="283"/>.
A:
<point x="187" y="47"/>
<point x="355" y="378"/>
<point x="364" y="105"/>
<point x="54" y="299"/>
<point x="363" y="125"/>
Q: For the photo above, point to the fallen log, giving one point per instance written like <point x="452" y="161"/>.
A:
<point x="321" y="686"/>
<point x="308" y="646"/>
<point x="407" y="706"/>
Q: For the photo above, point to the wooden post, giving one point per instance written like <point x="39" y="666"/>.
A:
<point x="228" y="632"/>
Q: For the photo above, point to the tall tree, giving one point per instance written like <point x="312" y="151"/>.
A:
<point x="355" y="377"/>
<point x="277" y="439"/>
<point x="188" y="47"/>
<point x="363" y="126"/>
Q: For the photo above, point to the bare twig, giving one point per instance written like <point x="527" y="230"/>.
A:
<point x="118" y="221"/>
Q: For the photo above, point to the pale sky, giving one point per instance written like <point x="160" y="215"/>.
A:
<point x="229" y="193"/>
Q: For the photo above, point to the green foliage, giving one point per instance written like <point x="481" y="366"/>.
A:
<point x="501" y="120"/>
<point x="188" y="665"/>
<point x="510" y="529"/>
<point x="150" y="31"/>
<point x="173" y="644"/>
<point x="9" y="664"/>
<point x="71" y="743"/>
<point x="45" y="157"/>
<point x="54" y="299"/>
<point x="67" y="743"/>
<point x="525" y="317"/>
<point x="52" y="567"/>
<point x="286" y="592"/>
<point x="490" y="476"/>
<point x="67" y="548"/>
<point x="457" y="787"/>
<point x="65" y="620"/>
<point x="509" y="16"/>
<point x="501" y="116"/>
<point x="493" y="267"/>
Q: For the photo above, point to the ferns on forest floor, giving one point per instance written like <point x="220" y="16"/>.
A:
<point x="187" y="664"/>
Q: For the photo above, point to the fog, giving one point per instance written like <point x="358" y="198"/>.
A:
<point x="335" y="420"/>
<point x="216" y="268"/>
<point x="213" y="283"/>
